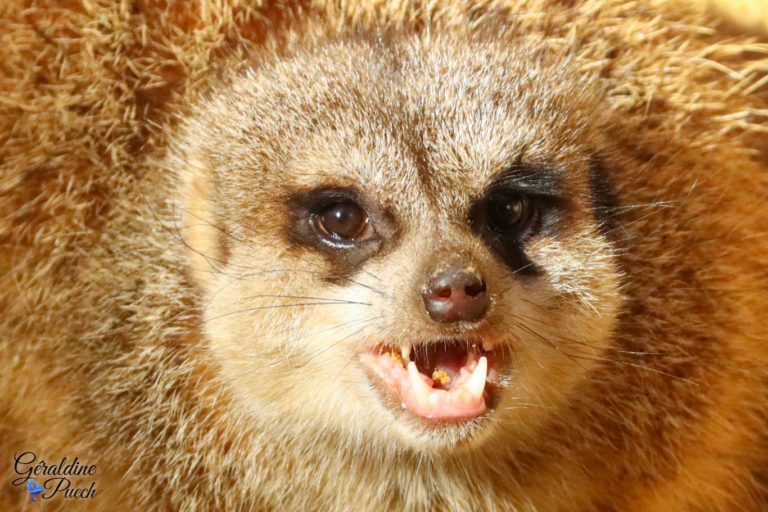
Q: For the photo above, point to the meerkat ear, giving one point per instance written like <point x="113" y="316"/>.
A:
<point x="201" y="224"/>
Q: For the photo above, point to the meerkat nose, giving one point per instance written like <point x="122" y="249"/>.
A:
<point x="455" y="294"/>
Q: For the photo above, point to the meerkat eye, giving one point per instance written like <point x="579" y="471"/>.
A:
<point x="509" y="211"/>
<point x="345" y="221"/>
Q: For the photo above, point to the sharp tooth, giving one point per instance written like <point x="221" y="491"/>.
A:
<point x="405" y="351"/>
<point x="476" y="383"/>
<point x="420" y="388"/>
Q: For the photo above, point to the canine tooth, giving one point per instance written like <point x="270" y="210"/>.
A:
<point x="420" y="388"/>
<point x="476" y="383"/>
<point x="405" y="351"/>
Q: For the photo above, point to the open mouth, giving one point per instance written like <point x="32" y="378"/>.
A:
<point x="445" y="379"/>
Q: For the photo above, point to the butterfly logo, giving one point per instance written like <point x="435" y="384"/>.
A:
<point x="34" y="489"/>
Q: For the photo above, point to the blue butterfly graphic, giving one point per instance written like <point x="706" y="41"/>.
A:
<point x="34" y="489"/>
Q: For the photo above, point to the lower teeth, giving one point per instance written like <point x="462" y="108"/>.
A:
<point x="448" y="393"/>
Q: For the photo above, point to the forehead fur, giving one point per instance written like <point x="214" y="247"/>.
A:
<point x="412" y="116"/>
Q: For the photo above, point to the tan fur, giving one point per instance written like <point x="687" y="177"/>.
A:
<point x="145" y="162"/>
<point x="752" y="14"/>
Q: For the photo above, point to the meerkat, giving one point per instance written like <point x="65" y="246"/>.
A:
<point x="419" y="265"/>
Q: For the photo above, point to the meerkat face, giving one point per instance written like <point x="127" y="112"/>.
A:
<point x="404" y="242"/>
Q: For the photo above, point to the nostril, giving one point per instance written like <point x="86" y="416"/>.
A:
<point x="444" y="293"/>
<point x="474" y="289"/>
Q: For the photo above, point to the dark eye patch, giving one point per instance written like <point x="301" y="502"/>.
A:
<point x="541" y="192"/>
<point x="605" y="201"/>
<point x="326" y="219"/>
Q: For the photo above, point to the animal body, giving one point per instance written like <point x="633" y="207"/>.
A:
<point x="474" y="256"/>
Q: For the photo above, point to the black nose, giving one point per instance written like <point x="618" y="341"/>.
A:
<point x="456" y="294"/>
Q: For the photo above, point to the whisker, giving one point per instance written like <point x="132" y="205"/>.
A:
<point x="332" y="345"/>
<point x="249" y="371"/>
<point x="574" y="357"/>
<point x="305" y="297"/>
<point x="512" y="274"/>
<point x="364" y="320"/>
<point x="528" y="405"/>
<point x="277" y="306"/>
<point x="281" y="348"/>
<point x="581" y="342"/>
<point x="313" y="272"/>
<point x="659" y="204"/>
<point x="549" y="343"/>
<point x="177" y="233"/>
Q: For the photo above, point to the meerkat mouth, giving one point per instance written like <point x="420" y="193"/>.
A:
<point x="445" y="379"/>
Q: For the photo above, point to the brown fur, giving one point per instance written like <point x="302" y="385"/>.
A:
<point x="128" y="131"/>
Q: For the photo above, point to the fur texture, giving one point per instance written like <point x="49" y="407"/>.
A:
<point x="751" y="14"/>
<point x="113" y="342"/>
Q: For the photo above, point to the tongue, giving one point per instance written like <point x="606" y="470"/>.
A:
<point x="464" y="399"/>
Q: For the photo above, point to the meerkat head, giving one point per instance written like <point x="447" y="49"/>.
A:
<point x="402" y="241"/>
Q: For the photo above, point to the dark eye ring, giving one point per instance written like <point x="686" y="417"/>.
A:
<point x="344" y="221"/>
<point x="510" y="211"/>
